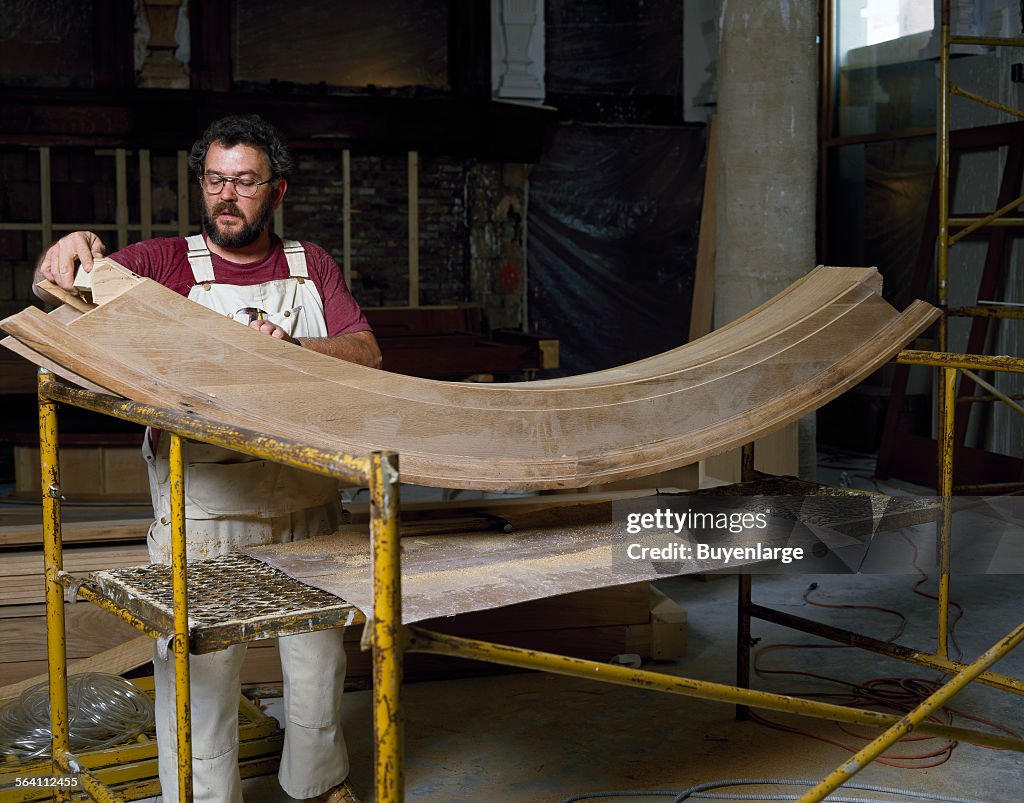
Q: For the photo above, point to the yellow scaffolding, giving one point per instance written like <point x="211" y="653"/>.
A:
<point x="390" y="639"/>
<point x="381" y="468"/>
<point x="966" y="225"/>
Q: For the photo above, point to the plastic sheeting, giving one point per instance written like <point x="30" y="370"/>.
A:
<point x="613" y="224"/>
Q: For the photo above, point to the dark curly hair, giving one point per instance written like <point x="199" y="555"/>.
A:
<point x="250" y="129"/>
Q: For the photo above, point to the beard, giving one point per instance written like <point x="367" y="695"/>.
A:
<point x="247" y="235"/>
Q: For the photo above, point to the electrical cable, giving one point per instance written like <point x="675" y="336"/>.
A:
<point x="103" y="710"/>
<point x="902" y="694"/>
<point x="698" y="792"/>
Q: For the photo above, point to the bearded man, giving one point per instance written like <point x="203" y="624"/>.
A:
<point x="295" y="292"/>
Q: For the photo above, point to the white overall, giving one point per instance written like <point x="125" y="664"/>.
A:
<point x="233" y="500"/>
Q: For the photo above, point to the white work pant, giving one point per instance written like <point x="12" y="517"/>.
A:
<point x="314" y="757"/>
<point x="291" y="506"/>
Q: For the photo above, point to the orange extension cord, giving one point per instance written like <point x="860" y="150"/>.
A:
<point x="892" y="693"/>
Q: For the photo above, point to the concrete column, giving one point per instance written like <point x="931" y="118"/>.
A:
<point x="767" y="151"/>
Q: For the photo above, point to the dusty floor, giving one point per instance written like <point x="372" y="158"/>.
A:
<point x="534" y="737"/>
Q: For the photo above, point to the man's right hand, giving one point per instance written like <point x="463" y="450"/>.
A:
<point x="58" y="263"/>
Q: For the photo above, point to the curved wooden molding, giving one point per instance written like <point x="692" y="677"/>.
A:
<point x="793" y="354"/>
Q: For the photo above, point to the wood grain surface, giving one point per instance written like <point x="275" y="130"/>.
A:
<point x="790" y="356"/>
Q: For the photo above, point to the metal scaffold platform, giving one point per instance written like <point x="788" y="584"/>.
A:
<point x="157" y="601"/>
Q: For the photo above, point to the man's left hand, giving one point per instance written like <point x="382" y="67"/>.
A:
<point x="272" y="329"/>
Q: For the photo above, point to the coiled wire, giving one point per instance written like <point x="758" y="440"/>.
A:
<point x="701" y="792"/>
<point x="103" y="710"/>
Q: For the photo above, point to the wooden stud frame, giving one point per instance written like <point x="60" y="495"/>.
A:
<point x="122" y="225"/>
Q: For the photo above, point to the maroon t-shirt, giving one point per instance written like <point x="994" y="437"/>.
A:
<point x="165" y="260"/>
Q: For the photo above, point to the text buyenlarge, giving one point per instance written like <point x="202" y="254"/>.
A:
<point x="724" y="554"/>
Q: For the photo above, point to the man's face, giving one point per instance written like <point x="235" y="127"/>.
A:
<point x="230" y="220"/>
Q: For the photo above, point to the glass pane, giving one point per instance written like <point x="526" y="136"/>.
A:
<point x="866" y="23"/>
<point x="885" y="81"/>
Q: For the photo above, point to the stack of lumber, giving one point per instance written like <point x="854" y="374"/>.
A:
<point x="106" y="467"/>
<point x="88" y="545"/>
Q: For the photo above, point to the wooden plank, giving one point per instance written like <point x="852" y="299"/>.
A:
<point x="600" y="607"/>
<point x="414" y="228"/>
<point x="791" y="355"/>
<point x="20" y="611"/>
<point x="106" y="281"/>
<point x="121" y="184"/>
<point x="65" y="313"/>
<point x="89" y="628"/>
<point x="115" y="473"/>
<point x="65" y="296"/>
<point x="28" y="515"/>
<point x="115" y="661"/>
<point x="346" y="216"/>
<point x="703" y="304"/>
<point x="45" y="195"/>
<point x="183" y="184"/>
<point x="443" y="575"/>
<point x="776" y="453"/>
<point x="76" y="532"/>
<point x="27" y="562"/>
<point x="14" y="673"/>
<point x="145" y="195"/>
<point x="21" y="571"/>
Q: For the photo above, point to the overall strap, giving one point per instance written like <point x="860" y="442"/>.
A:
<point x="296" y="256"/>
<point x="199" y="259"/>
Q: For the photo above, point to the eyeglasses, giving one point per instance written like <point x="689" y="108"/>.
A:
<point x="213" y="183"/>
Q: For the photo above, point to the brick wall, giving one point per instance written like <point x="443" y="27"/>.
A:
<point x="470" y="220"/>
<point x="470" y="227"/>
